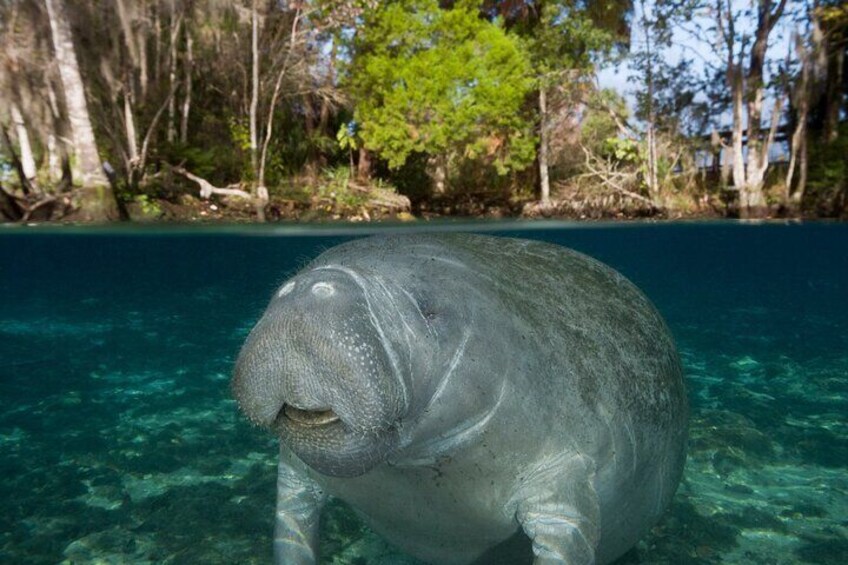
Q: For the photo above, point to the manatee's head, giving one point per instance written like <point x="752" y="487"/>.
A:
<point x="319" y="370"/>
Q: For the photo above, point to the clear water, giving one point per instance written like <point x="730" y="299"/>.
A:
<point x="119" y="442"/>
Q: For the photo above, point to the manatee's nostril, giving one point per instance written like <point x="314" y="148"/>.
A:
<point x="287" y="288"/>
<point x="323" y="289"/>
<point x="309" y="417"/>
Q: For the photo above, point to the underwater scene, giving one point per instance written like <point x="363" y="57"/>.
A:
<point x="120" y="441"/>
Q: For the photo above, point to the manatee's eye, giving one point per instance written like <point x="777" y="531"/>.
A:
<point x="287" y="288"/>
<point x="323" y="289"/>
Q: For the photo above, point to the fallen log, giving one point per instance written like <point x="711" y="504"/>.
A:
<point x="207" y="189"/>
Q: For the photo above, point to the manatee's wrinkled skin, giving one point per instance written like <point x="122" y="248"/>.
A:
<point x="458" y="389"/>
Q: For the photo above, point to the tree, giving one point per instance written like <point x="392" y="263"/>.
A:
<point x="665" y="96"/>
<point x="830" y="18"/>
<point x="97" y="200"/>
<point x="564" y="39"/>
<point x="747" y="92"/>
<point x="799" y="98"/>
<point x="441" y="82"/>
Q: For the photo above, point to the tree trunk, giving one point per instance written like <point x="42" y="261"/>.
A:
<point x="16" y="162"/>
<point x="757" y="158"/>
<point x="260" y="191"/>
<point x="749" y="174"/>
<point x="132" y="136"/>
<point x="363" y="171"/>
<point x="97" y="201"/>
<point x="651" y="174"/>
<point x="26" y="156"/>
<point x="189" y="65"/>
<point x="833" y="90"/>
<point x="798" y="146"/>
<point x="176" y="22"/>
<point x="269" y="126"/>
<point x="60" y="137"/>
<point x="439" y="173"/>
<point x="329" y="81"/>
<point x="801" y="186"/>
<point x="54" y="158"/>
<point x="129" y="40"/>
<point x="254" y="91"/>
<point x="544" y="181"/>
<point x="157" y="45"/>
<point x="737" y="155"/>
<point x="651" y="135"/>
<point x="142" y="53"/>
<point x="726" y="166"/>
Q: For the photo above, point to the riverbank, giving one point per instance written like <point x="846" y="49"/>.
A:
<point x="323" y="198"/>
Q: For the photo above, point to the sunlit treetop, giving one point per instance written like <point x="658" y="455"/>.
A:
<point x="438" y="81"/>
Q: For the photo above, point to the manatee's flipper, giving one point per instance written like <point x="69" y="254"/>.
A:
<point x="299" y="503"/>
<point x="557" y="507"/>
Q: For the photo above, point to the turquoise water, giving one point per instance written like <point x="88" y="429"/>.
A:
<point x="119" y="442"/>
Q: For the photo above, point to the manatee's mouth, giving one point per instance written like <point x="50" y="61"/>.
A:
<point x="309" y="418"/>
<point x="328" y="444"/>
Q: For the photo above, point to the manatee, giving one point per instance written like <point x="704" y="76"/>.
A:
<point x="466" y="394"/>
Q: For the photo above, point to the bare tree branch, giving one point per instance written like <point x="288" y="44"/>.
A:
<point x="606" y="178"/>
<point x="207" y="189"/>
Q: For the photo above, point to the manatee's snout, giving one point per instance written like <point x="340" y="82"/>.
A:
<point x="317" y="371"/>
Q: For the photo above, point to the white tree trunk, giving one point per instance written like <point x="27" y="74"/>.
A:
<point x="757" y="154"/>
<point x="189" y="64"/>
<point x="544" y="181"/>
<point x="59" y="147"/>
<point x="129" y="37"/>
<point x="813" y="62"/>
<point x="141" y="38"/>
<point x="129" y="125"/>
<point x="651" y="134"/>
<point x="269" y="125"/>
<point x="176" y="22"/>
<point x="82" y="133"/>
<point x="651" y="176"/>
<point x="157" y="42"/>
<point x="726" y="163"/>
<point x="737" y="153"/>
<point x="54" y="158"/>
<point x="254" y="93"/>
<point x="26" y="156"/>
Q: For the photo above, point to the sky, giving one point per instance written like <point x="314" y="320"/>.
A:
<point x="697" y="47"/>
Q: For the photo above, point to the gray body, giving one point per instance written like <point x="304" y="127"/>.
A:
<point x="458" y="389"/>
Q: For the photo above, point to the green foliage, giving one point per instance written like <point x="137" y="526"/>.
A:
<point x="567" y="39"/>
<point x="239" y="133"/>
<point x="428" y="80"/>
<point x="240" y="136"/>
<point x="347" y="138"/>
<point x="335" y="185"/>
<point x="149" y="207"/>
<point x="624" y="150"/>
<point x="598" y="125"/>
<point x="827" y="183"/>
